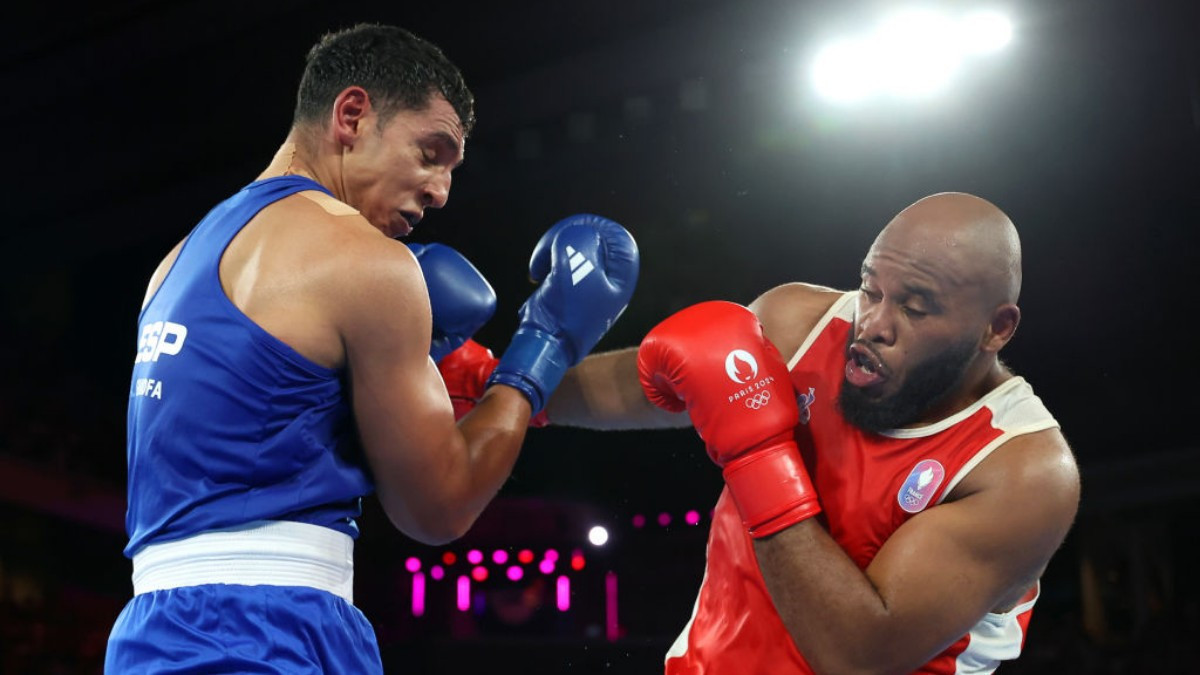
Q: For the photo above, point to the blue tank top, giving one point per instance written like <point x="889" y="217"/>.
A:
<point x="227" y="424"/>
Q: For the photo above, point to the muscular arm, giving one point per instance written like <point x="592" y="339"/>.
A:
<point x="603" y="392"/>
<point x="937" y="575"/>
<point x="433" y="477"/>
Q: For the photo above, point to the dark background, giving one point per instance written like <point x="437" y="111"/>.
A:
<point x="690" y="122"/>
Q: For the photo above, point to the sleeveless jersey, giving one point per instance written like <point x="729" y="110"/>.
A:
<point x="227" y="424"/>
<point x="869" y="485"/>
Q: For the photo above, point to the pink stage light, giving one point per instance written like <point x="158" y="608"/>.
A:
<point x="412" y="564"/>
<point x="692" y="518"/>
<point x="546" y="566"/>
<point x="479" y="574"/>
<point x="418" y="597"/>
<point x="564" y="593"/>
<point x="551" y="555"/>
<point x="639" y="521"/>
<point x="664" y="519"/>
<point x="611" y="625"/>
<point x="500" y="556"/>
<point x="464" y="593"/>
<point x="474" y="556"/>
<point x="515" y="573"/>
<point x="437" y="572"/>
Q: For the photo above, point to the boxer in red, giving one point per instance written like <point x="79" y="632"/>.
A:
<point x="893" y="490"/>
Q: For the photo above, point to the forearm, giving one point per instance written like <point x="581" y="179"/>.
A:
<point x="494" y="432"/>
<point x="437" y="501"/>
<point x="833" y="611"/>
<point x="603" y="392"/>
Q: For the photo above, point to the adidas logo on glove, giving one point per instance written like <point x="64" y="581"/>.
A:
<point x="580" y="266"/>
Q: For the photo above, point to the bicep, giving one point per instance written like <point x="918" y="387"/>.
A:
<point x="403" y="414"/>
<point x="945" y="568"/>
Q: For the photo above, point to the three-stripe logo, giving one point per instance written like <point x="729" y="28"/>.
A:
<point x="580" y="266"/>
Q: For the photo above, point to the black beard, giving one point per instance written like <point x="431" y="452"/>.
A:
<point x="928" y="384"/>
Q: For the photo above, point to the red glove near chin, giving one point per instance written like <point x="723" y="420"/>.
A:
<point x="465" y="372"/>
<point x="713" y="360"/>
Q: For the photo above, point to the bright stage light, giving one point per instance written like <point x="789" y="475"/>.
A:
<point x="984" y="31"/>
<point x="915" y="53"/>
<point x="844" y="71"/>
<point x="909" y="54"/>
<point x="598" y="535"/>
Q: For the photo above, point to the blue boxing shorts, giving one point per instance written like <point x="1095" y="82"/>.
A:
<point x="267" y="598"/>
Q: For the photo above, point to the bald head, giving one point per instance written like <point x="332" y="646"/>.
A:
<point x="967" y="237"/>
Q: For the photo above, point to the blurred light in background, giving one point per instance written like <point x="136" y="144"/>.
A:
<point x="909" y="54"/>
<point x="563" y="593"/>
<point x="598" y="535"/>
<point x="418" y="594"/>
<point x="983" y="32"/>
<point x="612" y="627"/>
<point x="464" y="593"/>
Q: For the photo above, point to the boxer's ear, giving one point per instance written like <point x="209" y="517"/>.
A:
<point x="1001" y="327"/>
<point x="350" y="109"/>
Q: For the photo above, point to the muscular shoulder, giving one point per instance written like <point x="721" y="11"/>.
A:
<point x="1033" y="472"/>
<point x="789" y="312"/>
<point x="360" y="277"/>
<point x="370" y="280"/>
<point x="337" y="240"/>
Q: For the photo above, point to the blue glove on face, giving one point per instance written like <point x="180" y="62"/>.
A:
<point x="588" y="268"/>
<point x="461" y="298"/>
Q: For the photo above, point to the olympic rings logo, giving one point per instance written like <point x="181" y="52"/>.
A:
<point x="758" y="400"/>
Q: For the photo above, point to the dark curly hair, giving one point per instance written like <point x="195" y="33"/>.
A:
<point x="398" y="69"/>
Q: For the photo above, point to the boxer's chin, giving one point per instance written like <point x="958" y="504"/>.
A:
<point x="921" y="389"/>
<point x="872" y="413"/>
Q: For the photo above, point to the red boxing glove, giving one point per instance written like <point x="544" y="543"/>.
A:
<point x="713" y="360"/>
<point x="465" y="372"/>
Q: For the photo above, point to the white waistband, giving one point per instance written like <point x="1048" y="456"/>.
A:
<point x="267" y="553"/>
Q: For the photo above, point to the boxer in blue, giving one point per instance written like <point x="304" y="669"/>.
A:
<point x="283" y="371"/>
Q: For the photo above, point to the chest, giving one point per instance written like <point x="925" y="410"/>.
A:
<point x="871" y="484"/>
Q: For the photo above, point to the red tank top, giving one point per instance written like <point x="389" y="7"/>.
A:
<point x="869" y="485"/>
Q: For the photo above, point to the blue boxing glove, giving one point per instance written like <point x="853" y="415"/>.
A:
<point x="588" y="268"/>
<point x="461" y="298"/>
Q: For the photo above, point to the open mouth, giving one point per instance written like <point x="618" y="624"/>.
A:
<point x="406" y="223"/>
<point x="863" y="367"/>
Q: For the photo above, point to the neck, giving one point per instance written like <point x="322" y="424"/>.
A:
<point x="293" y="159"/>
<point x="975" y="384"/>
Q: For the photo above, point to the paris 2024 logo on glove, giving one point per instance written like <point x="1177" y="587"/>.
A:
<point x="742" y="368"/>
